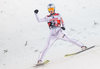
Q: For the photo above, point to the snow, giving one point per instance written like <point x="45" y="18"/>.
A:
<point x="22" y="38"/>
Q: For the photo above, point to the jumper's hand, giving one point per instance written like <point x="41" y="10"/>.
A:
<point x="36" y="11"/>
<point x="63" y="28"/>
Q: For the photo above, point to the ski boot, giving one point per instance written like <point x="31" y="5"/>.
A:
<point x="84" y="47"/>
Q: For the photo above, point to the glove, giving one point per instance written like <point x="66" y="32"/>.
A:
<point x="36" y="11"/>
<point x="63" y="28"/>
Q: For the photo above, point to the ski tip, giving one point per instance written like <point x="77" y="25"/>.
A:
<point x="41" y="64"/>
<point x="94" y="46"/>
<point x="46" y="61"/>
<point x="91" y="47"/>
<point x="69" y="55"/>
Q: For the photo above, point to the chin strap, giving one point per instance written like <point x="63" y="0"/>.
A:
<point x="52" y="14"/>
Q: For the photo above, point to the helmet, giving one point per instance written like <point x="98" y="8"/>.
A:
<point x="51" y="7"/>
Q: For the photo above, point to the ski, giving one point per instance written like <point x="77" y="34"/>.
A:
<point x="79" y="51"/>
<point x="41" y="64"/>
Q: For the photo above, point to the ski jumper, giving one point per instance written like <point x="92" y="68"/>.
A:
<point x="55" y="22"/>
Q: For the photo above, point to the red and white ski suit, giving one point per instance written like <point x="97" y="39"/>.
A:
<point x="55" y="32"/>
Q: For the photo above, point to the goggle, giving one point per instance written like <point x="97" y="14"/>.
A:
<point x="50" y="9"/>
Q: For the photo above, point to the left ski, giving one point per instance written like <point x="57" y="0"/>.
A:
<point x="41" y="64"/>
<point x="79" y="51"/>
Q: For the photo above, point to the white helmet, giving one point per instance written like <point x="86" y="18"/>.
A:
<point x="51" y="5"/>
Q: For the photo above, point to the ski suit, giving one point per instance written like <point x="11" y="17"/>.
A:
<point x="55" y="22"/>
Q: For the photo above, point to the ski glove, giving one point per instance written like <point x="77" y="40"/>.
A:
<point x="36" y="11"/>
<point x="63" y="28"/>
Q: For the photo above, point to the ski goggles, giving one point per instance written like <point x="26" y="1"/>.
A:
<point x="50" y="9"/>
